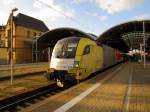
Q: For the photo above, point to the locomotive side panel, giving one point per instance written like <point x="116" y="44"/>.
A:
<point x="90" y="58"/>
<point x="109" y="56"/>
<point x="98" y="57"/>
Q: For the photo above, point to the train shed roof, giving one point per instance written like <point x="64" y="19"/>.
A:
<point x="126" y="35"/>
<point x="51" y="37"/>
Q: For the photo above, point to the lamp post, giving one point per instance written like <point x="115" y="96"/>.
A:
<point x="11" y="46"/>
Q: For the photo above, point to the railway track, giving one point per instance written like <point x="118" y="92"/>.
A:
<point x="11" y="103"/>
<point x="23" y="100"/>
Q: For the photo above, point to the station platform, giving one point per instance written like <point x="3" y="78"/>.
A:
<point x="123" y="88"/>
<point x="22" y="69"/>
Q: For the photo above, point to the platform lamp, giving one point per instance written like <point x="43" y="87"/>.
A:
<point x="11" y="46"/>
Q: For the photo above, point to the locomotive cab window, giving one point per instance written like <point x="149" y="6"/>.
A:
<point x="66" y="48"/>
<point x="86" y="50"/>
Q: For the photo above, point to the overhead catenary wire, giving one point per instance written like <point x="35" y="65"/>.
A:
<point x="62" y="13"/>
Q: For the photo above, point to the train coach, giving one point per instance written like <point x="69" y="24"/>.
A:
<point x="79" y="57"/>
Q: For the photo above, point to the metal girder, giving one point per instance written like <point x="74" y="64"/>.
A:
<point x="116" y="34"/>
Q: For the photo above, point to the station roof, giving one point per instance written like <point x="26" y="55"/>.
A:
<point x="125" y="36"/>
<point x="30" y="22"/>
<point x="50" y="38"/>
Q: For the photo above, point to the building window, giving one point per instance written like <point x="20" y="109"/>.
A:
<point x="34" y="34"/>
<point x="1" y="44"/>
<point x="27" y="44"/>
<point x="9" y="38"/>
<point x="28" y="34"/>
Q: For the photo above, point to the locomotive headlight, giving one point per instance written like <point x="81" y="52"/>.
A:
<point x="76" y="64"/>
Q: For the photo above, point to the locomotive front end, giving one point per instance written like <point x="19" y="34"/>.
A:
<point x="63" y="64"/>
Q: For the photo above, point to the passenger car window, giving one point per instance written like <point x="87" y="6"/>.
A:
<point x="86" y="50"/>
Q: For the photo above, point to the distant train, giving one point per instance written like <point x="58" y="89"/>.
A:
<point x="79" y="57"/>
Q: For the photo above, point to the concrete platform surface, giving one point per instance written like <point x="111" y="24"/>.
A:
<point x="125" y="88"/>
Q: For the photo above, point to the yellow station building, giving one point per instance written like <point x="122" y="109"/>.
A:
<point x="25" y="29"/>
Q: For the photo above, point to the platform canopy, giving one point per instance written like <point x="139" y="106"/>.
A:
<point x="127" y="36"/>
<point x="50" y="38"/>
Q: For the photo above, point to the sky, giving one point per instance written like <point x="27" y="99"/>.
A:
<point x="91" y="16"/>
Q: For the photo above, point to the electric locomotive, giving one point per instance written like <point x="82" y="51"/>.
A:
<point x="75" y="58"/>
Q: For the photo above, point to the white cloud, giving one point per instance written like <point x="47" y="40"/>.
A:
<point x="49" y="11"/>
<point x="142" y="17"/>
<point x="5" y="10"/>
<point x="81" y="1"/>
<point x="115" y="6"/>
<point x="7" y="2"/>
<point x="100" y="17"/>
<point x="103" y="18"/>
<point x="7" y="5"/>
<point x="37" y="4"/>
<point x="37" y="10"/>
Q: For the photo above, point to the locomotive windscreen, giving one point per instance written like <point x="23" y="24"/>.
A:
<point x="66" y="48"/>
